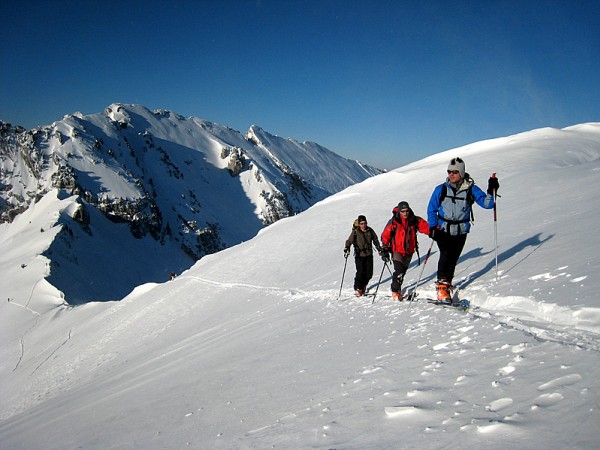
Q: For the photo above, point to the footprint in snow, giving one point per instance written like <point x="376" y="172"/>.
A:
<point x="546" y="400"/>
<point x="461" y="380"/>
<point x="395" y="411"/>
<point x="434" y="365"/>
<point x="578" y="279"/>
<point x="494" y="427"/>
<point x="561" y="381"/>
<point x="506" y="370"/>
<point x="500" y="404"/>
<point x="371" y="369"/>
<point x="441" y="346"/>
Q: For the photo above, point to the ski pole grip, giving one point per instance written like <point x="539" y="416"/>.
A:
<point x="495" y="192"/>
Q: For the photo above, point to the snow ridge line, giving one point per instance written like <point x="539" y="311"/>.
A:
<point x="22" y="340"/>
<point x="50" y="355"/>
<point x="530" y="317"/>
<point x="578" y="338"/>
<point x="248" y="286"/>
<point x="570" y="337"/>
<point x="569" y="334"/>
<point x="24" y="307"/>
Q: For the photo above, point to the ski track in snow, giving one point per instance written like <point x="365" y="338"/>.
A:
<point x="22" y="339"/>
<point x="253" y="286"/>
<point x="424" y="403"/>
<point x="420" y="404"/>
<point x="566" y="335"/>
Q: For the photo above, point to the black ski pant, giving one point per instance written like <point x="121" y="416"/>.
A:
<point x="450" y="249"/>
<point x="364" y="272"/>
<point x="401" y="263"/>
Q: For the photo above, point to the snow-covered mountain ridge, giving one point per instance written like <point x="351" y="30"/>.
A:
<point x="181" y="188"/>
<point x="252" y="348"/>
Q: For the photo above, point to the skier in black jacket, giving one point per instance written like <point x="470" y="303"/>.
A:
<point x="363" y="238"/>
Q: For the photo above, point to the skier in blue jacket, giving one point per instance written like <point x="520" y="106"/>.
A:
<point x="449" y="217"/>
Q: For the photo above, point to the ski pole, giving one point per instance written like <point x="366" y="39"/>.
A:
<point x="343" y="274"/>
<point x="411" y="297"/>
<point x="390" y="271"/>
<point x="495" y="228"/>
<point x="379" y="282"/>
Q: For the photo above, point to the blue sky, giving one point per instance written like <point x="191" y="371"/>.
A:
<point x="385" y="82"/>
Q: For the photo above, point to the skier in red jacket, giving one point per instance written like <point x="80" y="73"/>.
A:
<point x="399" y="238"/>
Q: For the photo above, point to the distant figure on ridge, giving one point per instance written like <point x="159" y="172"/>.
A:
<point x="399" y="238"/>
<point x="449" y="214"/>
<point x="363" y="238"/>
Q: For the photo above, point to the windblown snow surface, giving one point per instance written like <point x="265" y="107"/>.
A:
<point x="253" y="348"/>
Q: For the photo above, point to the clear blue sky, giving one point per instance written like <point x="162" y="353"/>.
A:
<point x="385" y="82"/>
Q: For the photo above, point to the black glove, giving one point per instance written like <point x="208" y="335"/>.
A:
<point x="385" y="255"/>
<point x="346" y="251"/>
<point x="493" y="185"/>
<point x="433" y="233"/>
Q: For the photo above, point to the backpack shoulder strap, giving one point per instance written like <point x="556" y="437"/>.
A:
<point x="354" y="228"/>
<point x="444" y="192"/>
<point x="470" y="198"/>
<point x="393" y="230"/>
<point x="415" y="226"/>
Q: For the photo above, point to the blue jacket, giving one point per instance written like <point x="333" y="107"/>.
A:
<point x="454" y="213"/>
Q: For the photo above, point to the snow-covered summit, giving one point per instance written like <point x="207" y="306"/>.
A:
<point x="173" y="188"/>
<point x="309" y="158"/>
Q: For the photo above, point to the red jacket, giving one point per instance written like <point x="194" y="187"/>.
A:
<point x="402" y="236"/>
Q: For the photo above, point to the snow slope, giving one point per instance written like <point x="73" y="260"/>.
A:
<point x="251" y="347"/>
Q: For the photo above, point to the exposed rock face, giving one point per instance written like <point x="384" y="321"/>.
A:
<point x="185" y="183"/>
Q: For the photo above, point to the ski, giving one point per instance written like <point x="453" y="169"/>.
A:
<point x="455" y="301"/>
<point x="366" y="296"/>
<point x="404" y="298"/>
<point x="462" y="304"/>
<point x="379" y="296"/>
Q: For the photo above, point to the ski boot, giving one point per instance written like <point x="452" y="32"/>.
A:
<point x="443" y="291"/>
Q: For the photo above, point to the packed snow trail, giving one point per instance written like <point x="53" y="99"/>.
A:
<point x="410" y="371"/>
<point x="442" y="395"/>
<point x="534" y="324"/>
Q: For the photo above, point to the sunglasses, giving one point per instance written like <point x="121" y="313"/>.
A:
<point x="405" y="211"/>
<point x="453" y="172"/>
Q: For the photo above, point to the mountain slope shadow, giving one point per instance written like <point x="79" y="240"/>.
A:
<point x="104" y="262"/>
